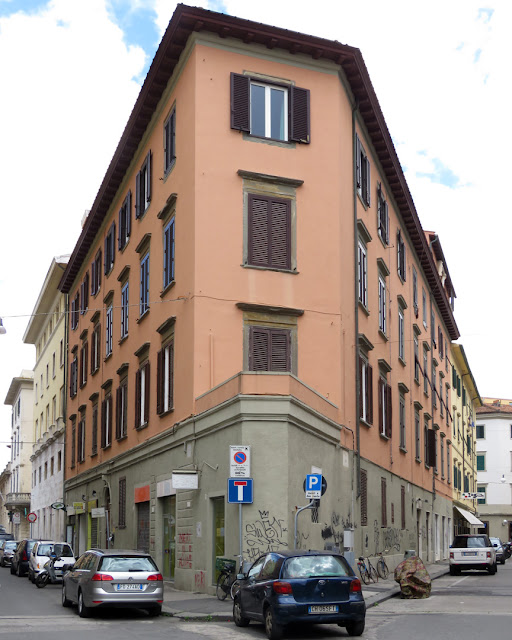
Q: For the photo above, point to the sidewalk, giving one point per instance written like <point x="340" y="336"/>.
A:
<point x="184" y="604"/>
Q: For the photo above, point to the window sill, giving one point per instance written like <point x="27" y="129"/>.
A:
<point x="166" y="413"/>
<point x="360" y="196"/>
<point x="416" y="380"/>
<point x="364" y="308"/>
<point x="285" y="144"/>
<point x="122" y="438"/>
<point x="93" y="373"/>
<point x="167" y="288"/>
<point x="384" y="243"/>
<point x="402" y="361"/>
<point x="143" y="214"/>
<point x="108" y="357"/>
<point x="141" y="318"/>
<point x="93" y="455"/>
<point x="365" y="423"/>
<point x="169" y="170"/>
<point x="417" y="460"/>
<point x="123" y="339"/>
<point x="383" y="335"/>
<point x="402" y="449"/>
<point x="384" y="437"/>
<point x="121" y="250"/>
<point x="106" y="447"/>
<point x="142" y="426"/>
<point x="258" y="268"/>
<point x="110" y="270"/>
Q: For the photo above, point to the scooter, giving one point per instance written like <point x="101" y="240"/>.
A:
<point x="47" y="573"/>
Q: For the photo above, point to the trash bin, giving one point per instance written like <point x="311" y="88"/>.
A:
<point x="409" y="553"/>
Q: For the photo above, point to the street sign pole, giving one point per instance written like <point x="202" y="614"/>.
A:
<point x="240" y="531"/>
<point x="299" y="510"/>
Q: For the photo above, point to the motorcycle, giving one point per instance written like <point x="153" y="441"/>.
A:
<point x="47" y="574"/>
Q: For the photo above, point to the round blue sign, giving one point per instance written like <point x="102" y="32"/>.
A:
<point x="240" y="457"/>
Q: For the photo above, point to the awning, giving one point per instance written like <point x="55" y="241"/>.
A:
<point x="470" y="517"/>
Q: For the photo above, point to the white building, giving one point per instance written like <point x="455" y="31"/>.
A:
<point x="47" y="331"/>
<point x="17" y="501"/>
<point x="494" y="467"/>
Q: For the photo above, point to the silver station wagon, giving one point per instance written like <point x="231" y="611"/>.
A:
<point x="113" y="578"/>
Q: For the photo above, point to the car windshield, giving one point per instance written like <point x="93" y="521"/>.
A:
<point x="314" y="566"/>
<point x="10" y="544"/>
<point x="127" y="563"/>
<point x="469" y="542"/>
<point x="496" y="541"/>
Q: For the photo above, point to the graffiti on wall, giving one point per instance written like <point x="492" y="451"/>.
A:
<point x="184" y="550"/>
<point x="388" y="538"/>
<point x="265" y="534"/>
<point x="200" y="580"/>
<point x="334" y="530"/>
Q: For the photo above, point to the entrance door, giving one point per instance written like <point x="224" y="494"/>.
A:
<point x="418" y="529"/>
<point x="143" y="526"/>
<point x="437" y="541"/>
<point x="169" y="546"/>
<point x="427" y="522"/>
<point x="219" y="547"/>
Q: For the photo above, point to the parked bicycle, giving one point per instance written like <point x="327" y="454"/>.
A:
<point x="382" y="567"/>
<point x="367" y="571"/>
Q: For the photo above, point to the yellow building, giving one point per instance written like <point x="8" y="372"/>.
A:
<point x="464" y="400"/>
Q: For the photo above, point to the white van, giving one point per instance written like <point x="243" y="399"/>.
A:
<point x="41" y="553"/>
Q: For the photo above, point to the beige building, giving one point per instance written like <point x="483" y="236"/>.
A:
<point x="5" y="487"/>
<point x="464" y="401"/>
<point x="17" y="502"/>
<point x="47" y="331"/>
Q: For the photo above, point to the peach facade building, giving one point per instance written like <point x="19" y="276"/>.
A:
<point x="253" y="272"/>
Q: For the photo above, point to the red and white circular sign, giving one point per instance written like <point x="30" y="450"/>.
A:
<point x="32" y="517"/>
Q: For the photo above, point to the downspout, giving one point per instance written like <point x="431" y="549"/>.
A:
<point x="65" y="406"/>
<point x="356" y="310"/>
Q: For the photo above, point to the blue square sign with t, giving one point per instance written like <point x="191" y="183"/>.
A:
<point x="313" y="485"/>
<point x="240" y="490"/>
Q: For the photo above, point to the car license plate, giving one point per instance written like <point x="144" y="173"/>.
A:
<point x="324" y="608"/>
<point x="129" y="587"/>
<point x="469" y="553"/>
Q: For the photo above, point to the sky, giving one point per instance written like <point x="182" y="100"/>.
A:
<point x="71" y="70"/>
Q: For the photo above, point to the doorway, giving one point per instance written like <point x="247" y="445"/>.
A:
<point x="219" y="539"/>
<point x="169" y="537"/>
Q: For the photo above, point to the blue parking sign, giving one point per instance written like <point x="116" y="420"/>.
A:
<point x="313" y="485"/>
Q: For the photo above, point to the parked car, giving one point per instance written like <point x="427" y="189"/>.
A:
<point x="113" y="578"/>
<point x="7" y="549"/>
<point x="472" y="551"/>
<point x="6" y="536"/>
<point x="500" y="550"/>
<point x="41" y="553"/>
<point x="19" y="563"/>
<point x="306" y="587"/>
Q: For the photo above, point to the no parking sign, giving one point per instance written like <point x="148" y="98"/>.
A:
<point x="239" y="461"/>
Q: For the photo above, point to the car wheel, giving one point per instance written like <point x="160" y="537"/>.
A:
<point x="154" y="611"/>
<point x="273" y="630"/>
<point x="65" y="601"/>
<point x="13" y="570"/>
<point x="502" y="561"/>
<point x="238" y="616"/>
<point x="355" y="628"/>
<point x="453" y="571"/>
<point x="83" y="611"/>
<point x="492" y="569"/>
<point x="19" y="571"/>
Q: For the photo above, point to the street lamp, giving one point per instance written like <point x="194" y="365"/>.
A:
<point x="2" y="328"/>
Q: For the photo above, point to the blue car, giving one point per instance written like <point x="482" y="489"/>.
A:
<point x="305" y="587"/>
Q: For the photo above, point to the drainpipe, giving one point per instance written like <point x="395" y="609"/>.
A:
<point x="356" y="454"/>
<point x="65" y="405"/>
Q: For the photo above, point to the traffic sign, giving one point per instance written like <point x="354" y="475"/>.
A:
<point x="240" y="491"/>
<point x="16" y="517"/>
<point x="239" y="461"/>
<point x="32" y="517"/>
<point x="315" y="485"/>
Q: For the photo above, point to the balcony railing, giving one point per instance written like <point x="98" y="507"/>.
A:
<point x="14" y="500"/>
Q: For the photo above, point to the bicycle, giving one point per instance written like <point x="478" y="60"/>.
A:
<point x="367" y="571"/>
<point x="235" y="586"/>
<point x="226" y="577"/>
<point x="382" y="567"/>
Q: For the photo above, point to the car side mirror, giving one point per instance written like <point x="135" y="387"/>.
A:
<point x="240" y="576"/>
<point x="494" y="545"/>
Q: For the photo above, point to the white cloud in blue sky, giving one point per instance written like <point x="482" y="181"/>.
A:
<point x="71" y="70"/>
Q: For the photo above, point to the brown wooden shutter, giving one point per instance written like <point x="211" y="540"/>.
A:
<point x="240" y="101"/>
<point x="148" y="176"/>
<point x="171" y="375"/>
<point x="280" y="350"/>
<point x="389" y="412"/>
<point x="402" y="505"/>
<point x="259" y="348"/>
<point x="93" y="277"/>
<point x="299" y="115"/>
<point x="361" y="397"/>
<point x="103" y="423"/>
<point x="122" y="502"/>
<point x="369" y="400"/>
<point x="364" y="498"/>
<point x="110" y="407"/>
<point x="128" y="213"/>
<point x="119" y="399"/>
<point x="381" y="407"/>
<point x="137" y="398"/>
<point x="138" y="211"/>
<point x="105" y="266"/>
<point x="280" y="235"/>
<point x="383" y="501"/>
<point x="431" y="448"/>
<point x="258" y="233"/>
<point x="160" y="378"/>
<point x="146" y="393"/>
<point x="121" y="228"/>
<point x="358" y="163"/>
<point x="73" y="443"/>
<point x="368" y="197"/>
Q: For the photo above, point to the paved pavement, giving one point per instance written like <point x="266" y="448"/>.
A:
<point x="187" y="605"/>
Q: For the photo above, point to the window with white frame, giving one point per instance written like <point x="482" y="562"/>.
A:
<point x="441" y="401"/>
<point x="168" y="253"/>
<point x="170" y="141"/>
<point x="143" y="187"/>
<point x="382" y="305"/>
<point x="402" y="421"/>
<point x="417" y="435"/>
<point x="401" y="260"/>
<point x="366" y="390"/>
<point x="425" y="310"/>
<point x="108" y="331"/>
<point x="363" y="274"/>
<point x="142" y="382"/>
<point x="416" y="358"/>
<point x="144" y="284"/>
<point x="480" y="431"/>
<point x="125" y="307"/>
<point x="165" y="378"/>
<point x="122" y="409"/>
<point x="385" y="409"/>
<point x="434" y="385"/>
<point x="448" y="464"/>
<point x="425" y="371"/>
<point x="269" y="111"/>
<point x="382" y="216"/>
<point x="401" y="329"/>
